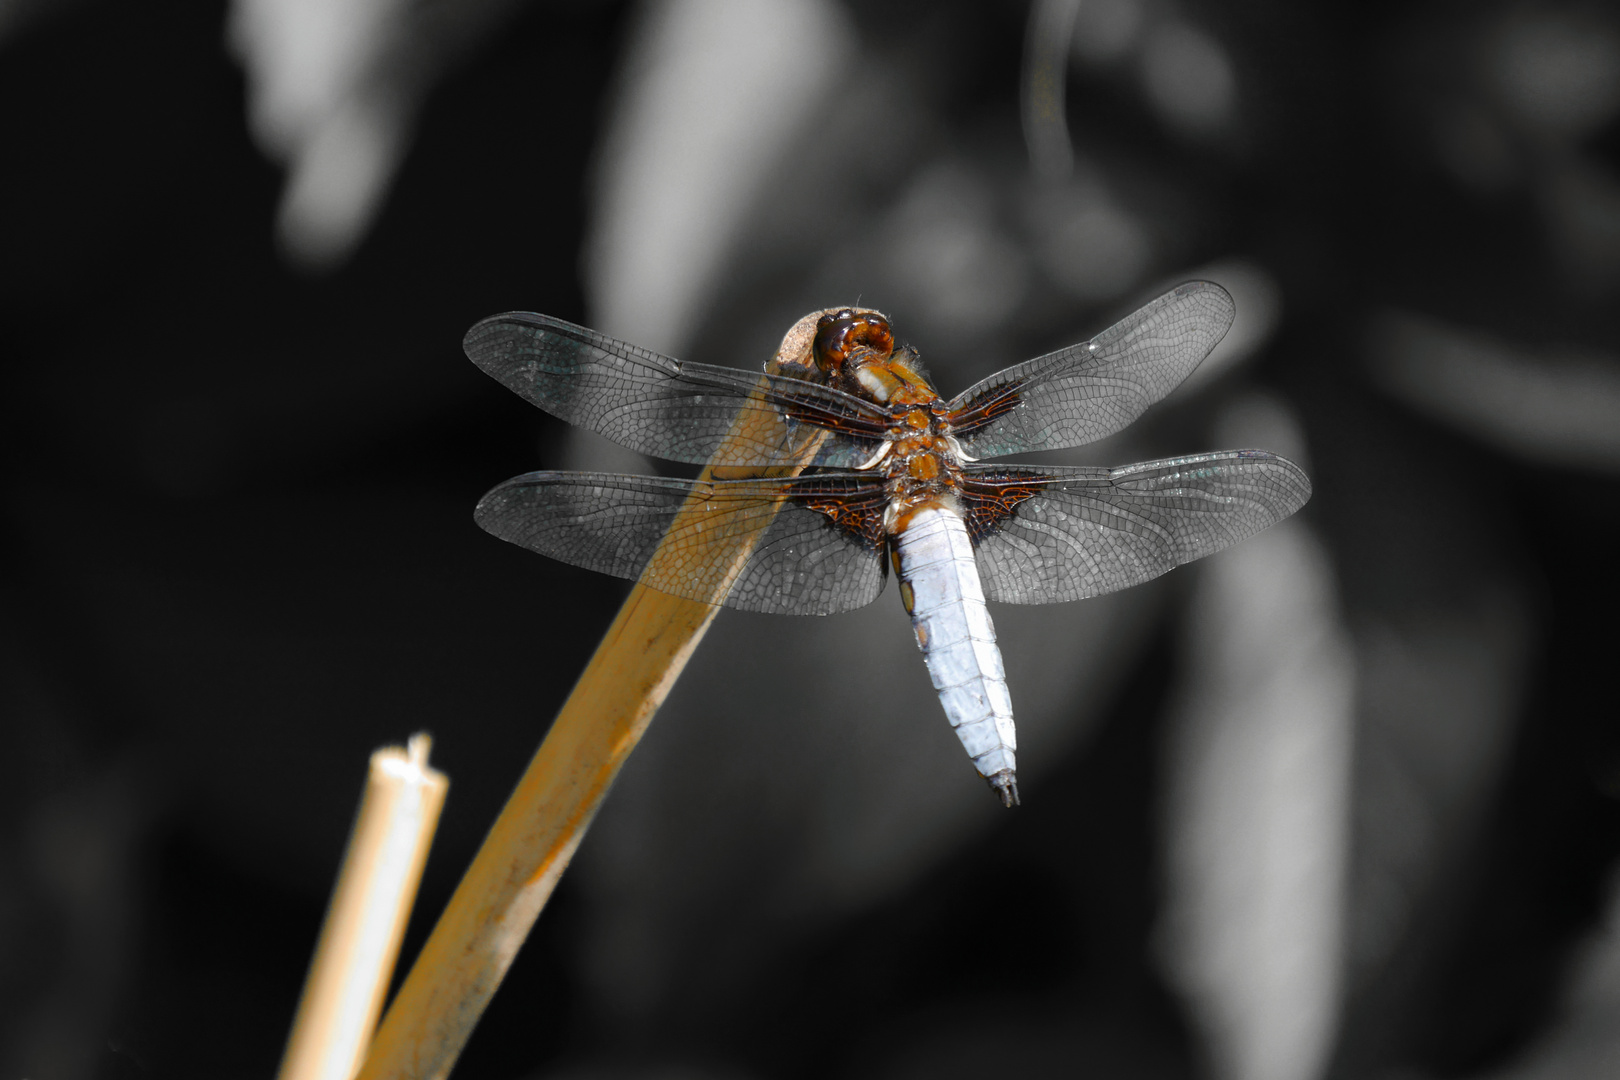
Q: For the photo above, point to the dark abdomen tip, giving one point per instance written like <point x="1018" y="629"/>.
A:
<point x="1005" y="785"/>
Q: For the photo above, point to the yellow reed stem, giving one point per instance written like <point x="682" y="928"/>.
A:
<point x="530" y="844"/>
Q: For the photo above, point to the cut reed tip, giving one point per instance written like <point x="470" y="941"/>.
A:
<point x="417" y="747"/>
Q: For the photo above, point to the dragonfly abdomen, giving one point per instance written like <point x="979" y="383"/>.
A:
<point x="939" y="581"/>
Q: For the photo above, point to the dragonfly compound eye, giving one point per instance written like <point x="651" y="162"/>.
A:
<point x="842" y="333"/>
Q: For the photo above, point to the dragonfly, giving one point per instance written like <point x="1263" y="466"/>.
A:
<point x="883" y="473"/>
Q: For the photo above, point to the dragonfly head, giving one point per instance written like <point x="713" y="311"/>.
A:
<point x="845" y="335"/>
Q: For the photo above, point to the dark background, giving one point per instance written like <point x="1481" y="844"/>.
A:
<point x="238" y="554"/>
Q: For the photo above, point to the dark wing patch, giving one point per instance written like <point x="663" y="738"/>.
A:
<point x="991" y="495"/>
<point x="821" y="551"/>
<point x="1044" y="536"/>
<point x="856" y="511"/>
<point x="669" y="409"/>
<point x="1091" y="390"/>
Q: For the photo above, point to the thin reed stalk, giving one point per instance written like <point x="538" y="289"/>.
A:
<point x="365" y="922"/>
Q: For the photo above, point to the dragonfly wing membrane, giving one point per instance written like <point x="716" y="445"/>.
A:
<point x="817" y="552"/>
<point x="1088" y="391"/>
<point x="663" y="407"/>
<point x="1045" y="536"/>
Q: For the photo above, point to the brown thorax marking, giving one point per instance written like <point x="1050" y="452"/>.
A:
<point x="922" y="471"/>
<point x="855" y="351"/>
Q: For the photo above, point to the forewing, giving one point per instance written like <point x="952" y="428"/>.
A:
<point x="666" y="408"/>
<point x="1049" y="535"/>
<point x="1088" y="391"/>
<point x="821" y="550"/>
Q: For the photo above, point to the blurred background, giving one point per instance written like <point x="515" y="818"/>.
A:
<point x="1339" y="802"/>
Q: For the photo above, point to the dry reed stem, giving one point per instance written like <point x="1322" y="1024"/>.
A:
<point x="530" y="844"/>
<point x="359" y="942"/>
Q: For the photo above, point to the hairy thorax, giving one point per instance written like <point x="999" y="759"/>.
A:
<point x="856" y="352"/>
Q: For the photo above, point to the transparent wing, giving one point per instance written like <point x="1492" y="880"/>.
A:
<point x="821" y="552"/>
<point x="1049" y="535"/>
<point x="666" y="408"/>
<point x="1085" y="392"/>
